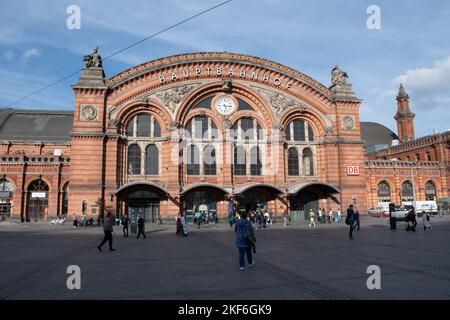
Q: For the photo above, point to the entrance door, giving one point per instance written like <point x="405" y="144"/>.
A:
<point x="301" y="204"/>
<point x="253" y="200"/>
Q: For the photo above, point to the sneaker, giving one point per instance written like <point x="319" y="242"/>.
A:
<point x="112" y="249"/>
<point x="242" y="269"/>
<point x="99" y="249"/>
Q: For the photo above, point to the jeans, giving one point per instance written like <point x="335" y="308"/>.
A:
<point x="140" y="231"/>
<point x="125" y="231"/>
<point x="352" y="226"/>
<point x="357" y="224"/>
<point x="242" y="252"/>
<point x="108" y="237"/>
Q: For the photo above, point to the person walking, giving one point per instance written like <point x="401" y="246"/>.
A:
<point x="357" y="222"/>
<point x="311" y="218"/>
<point x="231" y="218"/>
<point x="426" y="221"/>
<point x="245" y="239"/>
<point x="339" y="216"/>
<point x="184" y="230"/>
<point x="178" y="223"/>
<point x="350" y="220"/>
<point x="285" y="217"/>
<point x="330" y="215"/>
<point x="411" y="221"/>
<point x="74" y="220"/>
<point x="107" y="230"/>
<point x="319" y="216"/>
<point x="83" y="219"/>
<point x="141" y="227"/>
<point x="125" y="225"/>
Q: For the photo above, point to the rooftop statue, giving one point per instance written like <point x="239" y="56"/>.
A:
<point x="338" y="76"/>
<point x="93" y="60"/>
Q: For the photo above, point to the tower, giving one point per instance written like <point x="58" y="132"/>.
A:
<point x="404" y="117"/>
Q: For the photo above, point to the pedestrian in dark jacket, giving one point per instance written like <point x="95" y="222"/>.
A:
<point x="125" y="224"/>
<point x="140" y="226"/>
<point x="357" y="223"/>
<point x="107" y="230"/>
<point x="245" y="238"/>
<point x="350" y="220"/>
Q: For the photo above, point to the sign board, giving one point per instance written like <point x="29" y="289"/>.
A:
<point x="57" y="152"/>
<point x="38" y="194"/>
<point x="353" y="170"/>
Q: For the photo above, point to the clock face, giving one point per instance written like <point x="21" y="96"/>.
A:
<point x="225" y="105"/>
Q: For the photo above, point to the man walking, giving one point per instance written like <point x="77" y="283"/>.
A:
<point x="285" y="217"/>
<point x="107" y="229"/>
<point x="357" y="222"/>
<point x="125" y="223"/>
<point x="350" y="220"/>
<point x="311" y="217"/>
<point x="141" y="227"/>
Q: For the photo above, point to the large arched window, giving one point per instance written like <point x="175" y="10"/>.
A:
<point x="299" y="131"/>
<point x="293" y="163"/>
<point x="6" y="196"/>
<point x="202" y="128"/>
<point x="308" y="162"/>
<point x="239" y="163"/>
<point x="151" y="160"/>
<point x="209" y="161"/>
<point x="143" y="126"/>
<point x="134" y="159"/>
<point x="193" y="161"/>
<point x="430" y="191"/>
<point x="407" y="192"/>
<point x="383" y="192"/>
<point x="255" y="161"/>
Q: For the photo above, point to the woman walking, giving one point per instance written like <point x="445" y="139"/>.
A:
<point x="311" y="217"/>
<point x="245" y="239"/>
<point x="426" y="221"/>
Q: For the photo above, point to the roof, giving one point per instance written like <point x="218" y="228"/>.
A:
<point x="375" y="134"/>
<point x="35" y="125"/>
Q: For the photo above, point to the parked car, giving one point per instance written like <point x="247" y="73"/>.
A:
<point x="379" y="211"/>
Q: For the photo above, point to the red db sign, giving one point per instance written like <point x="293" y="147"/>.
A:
<point x="353" y="170"/>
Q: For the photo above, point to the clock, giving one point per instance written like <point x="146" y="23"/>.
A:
<point x="225" y="105"/>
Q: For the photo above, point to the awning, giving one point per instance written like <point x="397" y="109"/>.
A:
<point x="202" y="185"/>
<point x="144" y="184"/>
<point x="443" y="200"/>
<point x="246" y="187"/>
<point x="324" y="187"/>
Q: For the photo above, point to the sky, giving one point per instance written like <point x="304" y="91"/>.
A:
<point x="411" y="47"/>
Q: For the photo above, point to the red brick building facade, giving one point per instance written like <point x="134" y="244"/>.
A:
<point x="200" y="131"/>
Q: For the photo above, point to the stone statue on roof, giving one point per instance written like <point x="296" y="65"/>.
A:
<point x="338" y="76"/>
<point x="93" y="60"/>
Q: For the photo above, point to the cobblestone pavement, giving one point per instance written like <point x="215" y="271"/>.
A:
<point x="291" y="263"/>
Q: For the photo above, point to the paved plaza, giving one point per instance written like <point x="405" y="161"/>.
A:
<point x="291" y="263"/>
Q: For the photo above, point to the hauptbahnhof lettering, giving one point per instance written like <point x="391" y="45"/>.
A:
<point x="204" y="131"/>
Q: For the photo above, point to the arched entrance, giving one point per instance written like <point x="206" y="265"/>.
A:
<point x="37" y="204"/>
<point x="304" y="197"/>
<point x="140" y="199"/>
<point x="202" y="198"/>
<point x="6" y="196"/>
<point x="255" y="196"/>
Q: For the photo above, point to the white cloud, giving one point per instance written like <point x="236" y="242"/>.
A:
<point x="29" y="53"/>
<point x="429" y="87"/>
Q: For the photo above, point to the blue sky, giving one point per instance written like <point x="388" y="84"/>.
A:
<point x="413" y="46"/>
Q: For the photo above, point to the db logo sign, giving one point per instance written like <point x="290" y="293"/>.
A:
<point x="353" y="170"/>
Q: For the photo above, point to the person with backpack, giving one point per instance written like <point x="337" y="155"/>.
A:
<point x="350" y="220"/>
<point x="426" y="221"/>
<point x="141" y="226"/>
<point x="245" y="240"/>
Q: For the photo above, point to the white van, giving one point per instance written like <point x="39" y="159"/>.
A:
<point x="427" y="206"/>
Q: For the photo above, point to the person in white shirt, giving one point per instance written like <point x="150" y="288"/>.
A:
<point x="311" y="215"/>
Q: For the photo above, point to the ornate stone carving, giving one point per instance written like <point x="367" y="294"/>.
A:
<point x="93" y="60"/>
<point x="280" y="103"/>
<point x="171" y="98"/>
<point x="88" y="113"/>
<point x="329" y="131"/>
<point x="226" y="123"/>
<point x="348" y="122"/>
<point x="227" y="85"/>
<point x="338" y="76"/>
<point x="113" y="123"/>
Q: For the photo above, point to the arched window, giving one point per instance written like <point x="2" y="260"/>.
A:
<point x="407" y="192"/>
<point x="384" y="192"/>
<point x="240" y="163"/>
<point x="308" y="162"/>
<point x="6" y="196"/>
<point x="37" y="200"/>
<point x="293" y="164"/>
<point x="193" y="161"/>
<point x="134" y="159"/>
<point x="151" y="160"/>
<point x="143" y="126"/>
<point x="430" y="191"/>
<point x="255" y="161"/>
<point x="202" y="128"/>
<point x="209" y="161"/>
<point x="299" y="131"/>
